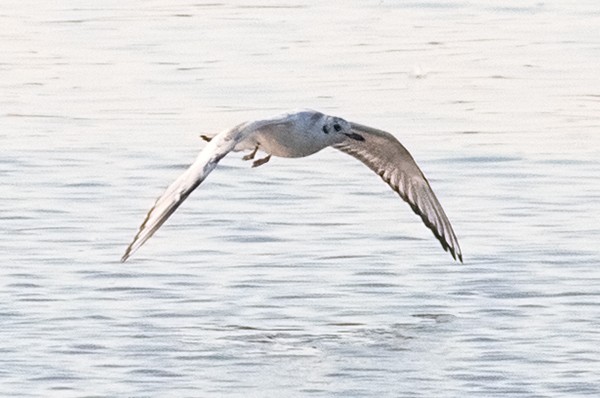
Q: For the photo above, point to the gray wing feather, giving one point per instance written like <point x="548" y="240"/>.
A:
<point x="217" y="148"/>
<point x="181" y="188"/>
<point x="387" y="157"/>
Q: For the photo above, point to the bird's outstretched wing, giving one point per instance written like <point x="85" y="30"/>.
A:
<point x="179" y="190"/>
<point x="387" y="157"/>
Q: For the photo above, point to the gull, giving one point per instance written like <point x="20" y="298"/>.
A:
<point x="299" y="134"/>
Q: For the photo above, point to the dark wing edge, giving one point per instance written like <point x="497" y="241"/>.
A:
<point x="182" y="187"/>
<point x="386" y="156"/>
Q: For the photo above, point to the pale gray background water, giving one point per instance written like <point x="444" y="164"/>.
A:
<point x="303" y="277"/>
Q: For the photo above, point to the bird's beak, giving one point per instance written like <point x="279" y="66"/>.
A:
<point x="355" y="136"/>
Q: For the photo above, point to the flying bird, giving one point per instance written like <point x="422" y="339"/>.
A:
<point x="299" y="134"/>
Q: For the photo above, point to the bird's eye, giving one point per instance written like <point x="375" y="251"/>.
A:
<point x="337" y="127"/>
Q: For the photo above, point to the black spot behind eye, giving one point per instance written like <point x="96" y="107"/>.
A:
<point x="337" y="127"/>
<point x="325" y="129"/>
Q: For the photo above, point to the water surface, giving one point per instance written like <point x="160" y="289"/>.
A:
<point x="304" y="277"/>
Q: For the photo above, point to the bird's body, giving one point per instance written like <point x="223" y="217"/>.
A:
<point x="300" y="134"/>
<point x="291" y="135"/>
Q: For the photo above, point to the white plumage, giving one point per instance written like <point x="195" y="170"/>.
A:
<point x="301" y="134"/>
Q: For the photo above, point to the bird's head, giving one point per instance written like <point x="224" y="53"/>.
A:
<point x="337" y="126"/>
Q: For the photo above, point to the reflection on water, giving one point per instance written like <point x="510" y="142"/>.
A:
<point x="309" y="276"/>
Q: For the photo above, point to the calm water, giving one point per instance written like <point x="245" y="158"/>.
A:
<point x="302" y="277"/>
